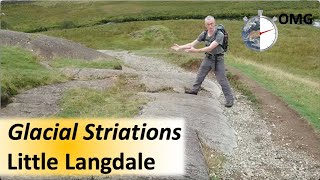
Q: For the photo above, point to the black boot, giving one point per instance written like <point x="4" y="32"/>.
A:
<point x="189" y="91"/>
<point x="229" y="104"/>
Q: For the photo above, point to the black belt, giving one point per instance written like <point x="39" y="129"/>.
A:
<point x="213" y="55"/>
<point x="216" y="56"/>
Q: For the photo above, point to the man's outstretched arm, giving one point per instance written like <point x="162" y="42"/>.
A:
<point x="177" y="47"/>
<point x="213" y="45"/>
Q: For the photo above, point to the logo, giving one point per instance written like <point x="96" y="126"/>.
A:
<point x="295" y="19"/>
<point x="259" y="33"/>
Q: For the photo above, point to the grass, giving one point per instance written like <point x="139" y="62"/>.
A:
<point x="64" y="15"/>
<point x="21" y="70"/>
<point x="79" y="63"/>
<point x="120" y="101"/>
<point x="301" y="94"/>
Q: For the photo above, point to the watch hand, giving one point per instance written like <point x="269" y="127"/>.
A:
<point x="266" y="31"/>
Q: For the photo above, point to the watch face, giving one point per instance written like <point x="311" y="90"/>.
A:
<point x="268" y="33"/>
<point x="259" y="33"/>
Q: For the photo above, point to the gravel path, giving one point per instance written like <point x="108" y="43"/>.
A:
<point x="257" y="156"/>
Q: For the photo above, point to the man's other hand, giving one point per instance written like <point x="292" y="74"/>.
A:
<point x="191" y="49"/>
<point x="175" y="47"/>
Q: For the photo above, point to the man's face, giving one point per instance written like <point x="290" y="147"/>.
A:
<point x="210" y="24"/>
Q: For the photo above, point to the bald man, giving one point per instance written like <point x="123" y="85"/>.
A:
<point x="214" y="59"/>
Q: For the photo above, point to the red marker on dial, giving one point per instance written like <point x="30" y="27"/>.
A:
<point x="265" y="31"/>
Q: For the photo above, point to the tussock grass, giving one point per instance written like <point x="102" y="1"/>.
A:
<point x="21" y="70"/>
<point x="120" y="101"/>
<point x="55" y="14"/>
<point x="79" y="63"/>
<point x="154" y="33"/>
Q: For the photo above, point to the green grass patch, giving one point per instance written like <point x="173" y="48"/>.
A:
<point x="214" y="177"/>
<point x="21" y="70"/>
<point x="156" y="33"/>
<point x="47" y="15"/>
<point x="79" y="63"/>
<point x="120" y="101"/>
<point x="300" y="94"/>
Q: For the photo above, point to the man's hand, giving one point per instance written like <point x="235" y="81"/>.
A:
<point x="176" y="47"/>
<point x="191" y="50"/>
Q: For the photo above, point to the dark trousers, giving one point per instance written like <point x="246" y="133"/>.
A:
<point x="215" y="63"/>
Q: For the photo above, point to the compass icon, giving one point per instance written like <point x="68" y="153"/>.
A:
<point x="259" y="32"/>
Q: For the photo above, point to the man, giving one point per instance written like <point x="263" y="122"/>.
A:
<point x="214" y="59"/>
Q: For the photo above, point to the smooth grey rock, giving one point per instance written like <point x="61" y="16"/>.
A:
<point x="201" y="114"/>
